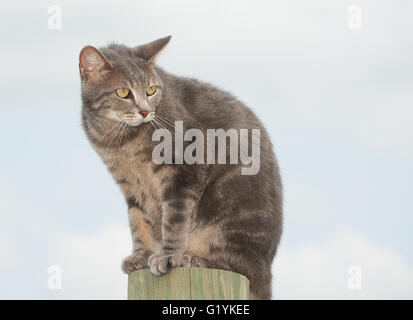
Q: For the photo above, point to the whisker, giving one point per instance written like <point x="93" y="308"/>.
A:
<point x="164" y="130"/>
<point x="163" y="127"/>
<point x="167" y="125"/>
<point x="126" y="130"/>
<point x="168" y="122"/>
<point x="157" y="127"/>
<point x="153" y="126"/>
<point x="164" y="122"/>
<point x="101" y="138"/>
<point x="119" y="126"/>
<point x="121" y="135"/>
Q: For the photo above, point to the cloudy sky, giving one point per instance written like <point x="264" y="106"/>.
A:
<point x="337" y="101"/>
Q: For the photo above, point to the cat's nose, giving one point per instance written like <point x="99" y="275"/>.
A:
<point x="143" y="113"/>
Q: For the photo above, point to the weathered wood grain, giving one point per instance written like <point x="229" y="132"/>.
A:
<point x="188" y="284"/>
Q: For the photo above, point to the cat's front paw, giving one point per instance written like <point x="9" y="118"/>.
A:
<point x="161" y="263"/>
<point x="134" y="262"/>
<point x="190" y="261"/>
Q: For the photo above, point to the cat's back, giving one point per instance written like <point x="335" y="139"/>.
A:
<point x="206" y="106"/>
<point x="210" y="105"/>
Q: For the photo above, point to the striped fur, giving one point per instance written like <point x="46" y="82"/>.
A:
<point x="183" y="215"/>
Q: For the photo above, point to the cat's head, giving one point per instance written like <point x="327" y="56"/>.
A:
<point x="120" y="84"/>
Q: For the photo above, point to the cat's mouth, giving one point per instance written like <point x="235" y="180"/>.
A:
<point x="136" y="119"/>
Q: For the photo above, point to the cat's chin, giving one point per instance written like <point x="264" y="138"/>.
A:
<point x="135" y="123"/>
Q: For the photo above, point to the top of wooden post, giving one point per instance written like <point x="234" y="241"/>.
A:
<point x="188" y="284"/>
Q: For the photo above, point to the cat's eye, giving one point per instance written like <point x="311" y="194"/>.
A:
<point x="151" y="90"/>
<point x="123" y="93"/>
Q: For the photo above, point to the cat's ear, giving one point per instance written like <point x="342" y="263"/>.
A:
<point x="151" y="50"/>
<point x="92" y="64"/>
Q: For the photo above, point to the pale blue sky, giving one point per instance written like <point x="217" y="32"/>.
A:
<point x="337" y="104"/>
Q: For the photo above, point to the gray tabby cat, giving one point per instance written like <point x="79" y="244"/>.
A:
<point x="199" y="215"/>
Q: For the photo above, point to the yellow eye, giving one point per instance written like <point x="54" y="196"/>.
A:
<point x="122" y="93"/>
<point x="151" y="90"/>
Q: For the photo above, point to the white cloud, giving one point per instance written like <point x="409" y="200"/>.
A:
<point x="321" y="271"/>
<point x="91" y="263"/>
<point x="91" y="268"/>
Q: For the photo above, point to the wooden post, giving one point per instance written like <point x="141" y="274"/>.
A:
<point x="188" y="284"/>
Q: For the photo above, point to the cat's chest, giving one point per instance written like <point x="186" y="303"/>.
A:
<point x="138" y="178"/>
